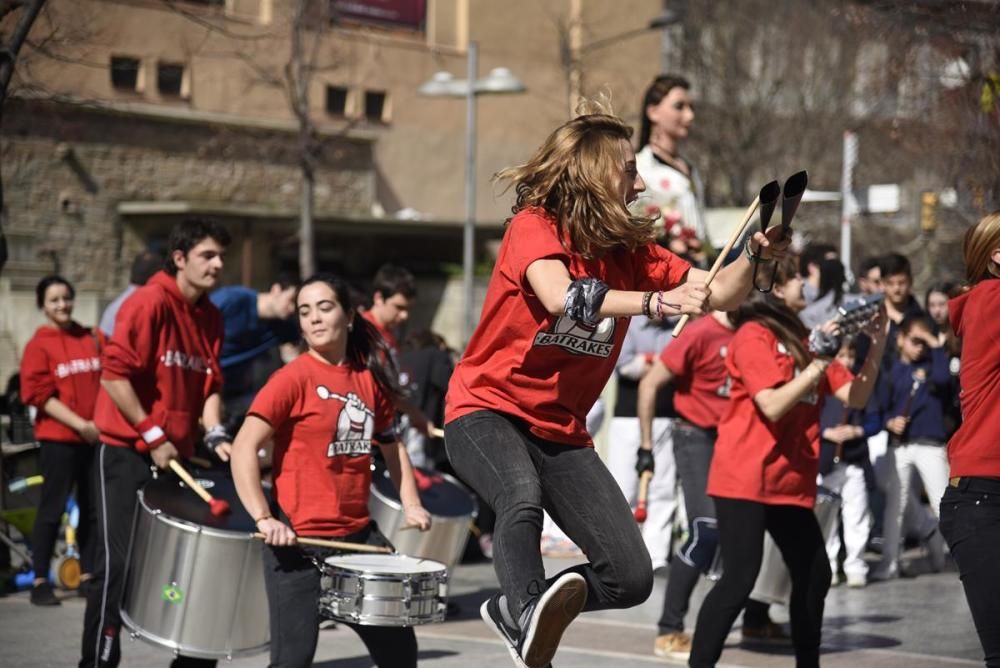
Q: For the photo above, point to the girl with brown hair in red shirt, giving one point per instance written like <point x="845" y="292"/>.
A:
<point x="763" y="471"/>
<point x="325" y="411"/>
<point x="573" y="267"/>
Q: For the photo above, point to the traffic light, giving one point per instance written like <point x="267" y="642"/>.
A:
<point x="928" y="212"/>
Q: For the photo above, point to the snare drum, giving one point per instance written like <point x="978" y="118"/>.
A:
<point x="774" y="583"/>
<point x="194" y="581"/>
<point x="452" y="508"/>
<point x="383" y="590"/>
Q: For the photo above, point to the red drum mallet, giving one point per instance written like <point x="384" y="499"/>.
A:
<point x="217" y="507"/>
<point x="640" y="506"/>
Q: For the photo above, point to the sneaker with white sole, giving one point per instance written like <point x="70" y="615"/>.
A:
<point x="549" y="617"/>
<point x="543" y="621"/>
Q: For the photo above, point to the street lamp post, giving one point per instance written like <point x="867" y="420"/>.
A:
<point x="499" y="81"/>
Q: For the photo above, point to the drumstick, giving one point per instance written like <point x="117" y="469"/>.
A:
<point x="336" y="544"/>
<point x="733" y="238"/>
<point x="200" y="462"/>
<point x="435" y="432"/>
<point x="640" y="506"/>
<point x="217" y="507"/>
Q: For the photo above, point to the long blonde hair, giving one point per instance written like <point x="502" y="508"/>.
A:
<point x="575" y="176"/>
<point x="980" y="241"/>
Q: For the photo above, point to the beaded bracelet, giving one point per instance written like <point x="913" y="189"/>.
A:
<point x="646" y="298"/>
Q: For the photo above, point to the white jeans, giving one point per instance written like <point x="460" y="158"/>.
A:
<point x="849" y="481"/>
<point x="623" y="441"/>
<point x="931" y="463"/>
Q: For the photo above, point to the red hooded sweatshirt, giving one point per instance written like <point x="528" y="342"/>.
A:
<point x="169" y="350"/>
<point x="66" y="365"/>
<point x="974" y="450"/>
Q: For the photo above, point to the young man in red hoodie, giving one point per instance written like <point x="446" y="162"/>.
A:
<point x="160" y="375"/>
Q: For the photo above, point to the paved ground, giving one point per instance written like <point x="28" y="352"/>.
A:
<point x="919" y="623"/>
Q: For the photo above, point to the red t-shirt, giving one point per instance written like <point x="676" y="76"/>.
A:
<point x="325" y="418"/>
<point x="698" y="362"/>
<point x="756" y="459"/>
<point x="974" y="450"/>
<point x="66" y="365"/>
<point x="545" y="369"/>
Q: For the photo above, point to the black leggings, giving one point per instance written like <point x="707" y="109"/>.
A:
<point x="741" y="533"/>
<point x="64" y="466"/>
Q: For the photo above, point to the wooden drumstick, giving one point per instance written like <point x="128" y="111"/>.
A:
<point x="217" y="507"/>
<point x="337" y="544"/>
<point x="640" y="506"/>
<point x="435" y="432"/>
<point x="200" y="462"/>
<point x="733" y="238"/>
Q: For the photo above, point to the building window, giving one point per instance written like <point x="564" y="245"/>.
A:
<point x="125" y="73"/>
<point x="336" y="100"/>
<point x="376" y="107"/>
<point x="170" y="79"/>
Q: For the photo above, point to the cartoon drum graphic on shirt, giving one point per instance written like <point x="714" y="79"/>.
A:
<point x="355" y="424"/>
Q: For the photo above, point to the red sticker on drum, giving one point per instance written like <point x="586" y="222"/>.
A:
<point x="172" y="593"/>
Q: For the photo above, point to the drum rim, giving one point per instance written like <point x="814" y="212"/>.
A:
<point x="187" y="650"/>
<point x="188" y="525"/>
<point x="396" y="557"/>
<point x="398" y="505"/>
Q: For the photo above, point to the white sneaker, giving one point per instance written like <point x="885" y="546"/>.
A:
<point x="856" y="580"/>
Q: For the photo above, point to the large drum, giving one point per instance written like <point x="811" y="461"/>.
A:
<point x="383" y="590"/>
<point x="774" y="583"/>
<point x="195" y="582"/>
<point x="453" y="510"/>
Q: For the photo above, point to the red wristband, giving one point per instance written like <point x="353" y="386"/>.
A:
<point x="151" y="433"/>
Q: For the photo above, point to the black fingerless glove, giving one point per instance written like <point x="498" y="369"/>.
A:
<point x="216" y="436"/>
<point x="643" y="461"/>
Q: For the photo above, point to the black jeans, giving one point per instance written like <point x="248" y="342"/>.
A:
<point x="693" y="448"/>
<point x="970" y="522"/>
<point x="518" y="475"/>
<point x="63" y="467"/>
<point x="292" y="582"/>
<point x="741" y="533"/>
<point x="120" y="473"/>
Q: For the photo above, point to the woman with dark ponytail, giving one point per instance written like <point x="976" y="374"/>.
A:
<point x="763" y="472"/>
<point x="324" y="411"/>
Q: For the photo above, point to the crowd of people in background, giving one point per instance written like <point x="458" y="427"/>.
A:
<point x="740" y="423"/>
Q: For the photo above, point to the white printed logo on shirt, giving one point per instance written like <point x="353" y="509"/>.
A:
<point x="355" y="424"/>
<point x="580" y="338"/>
<point x="73" y="367"/>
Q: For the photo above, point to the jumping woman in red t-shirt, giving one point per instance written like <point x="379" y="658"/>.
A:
<point x="573" y="266"/>
<point x="763" y="472"/>
<point x="324" y="411"/>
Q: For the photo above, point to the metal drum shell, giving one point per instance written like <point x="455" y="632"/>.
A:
<point x="355" y="593"/>
<point x="444" y="542"/>
<point x="218" y="574"/>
